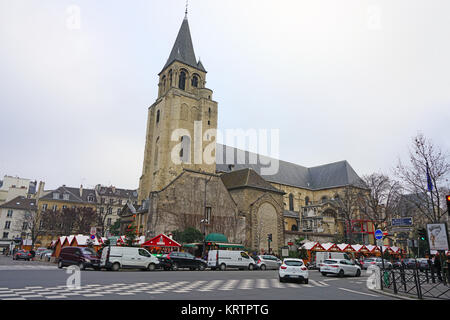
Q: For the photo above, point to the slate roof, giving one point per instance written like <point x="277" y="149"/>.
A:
<point x="20" y="203"/>
<point x="246" y="178"/>
<point x="74" y="194"/>
<point x="183" y="50"/>
<point x="116" y="192"/>
<point x="331" y="175"/>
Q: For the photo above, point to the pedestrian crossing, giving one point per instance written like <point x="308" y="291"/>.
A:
<point x="143" y="289"/>
<point x="19" y="267"/>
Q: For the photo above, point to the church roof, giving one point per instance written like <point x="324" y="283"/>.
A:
<point x="246" y="178"/>
<point x="183" y="50"/>
<point x="331" y="175"/>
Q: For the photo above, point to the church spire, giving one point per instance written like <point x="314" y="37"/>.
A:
<point x="183" y="50"/>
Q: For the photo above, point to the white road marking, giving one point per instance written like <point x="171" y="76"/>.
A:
<point x="229" y="285"/>
<point x="353" y="291"/>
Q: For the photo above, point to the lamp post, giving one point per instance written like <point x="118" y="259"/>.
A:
<point x="205" y="218"/>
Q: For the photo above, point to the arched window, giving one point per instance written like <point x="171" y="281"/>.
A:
<point x="157" y="116"/>
<point x="294" y="228"/>
<point x="195" y="81"/>
<point x="324" y="199"/>
<point x="164" y="83"/>
<point x="306" y="201"/>
<point x="182" y="82"/>
<point x="170" y="77"/>
<point x="291" y="202"/>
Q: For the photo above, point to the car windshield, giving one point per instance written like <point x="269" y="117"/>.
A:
<point x="330" y="262"/>
<point x="293" y="263"/>
<point x="88" y="251"/>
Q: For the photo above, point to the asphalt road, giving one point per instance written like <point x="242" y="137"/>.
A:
<point x="33" y="280"/>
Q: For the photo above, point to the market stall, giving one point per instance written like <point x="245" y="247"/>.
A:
<point x="161" y="244"/>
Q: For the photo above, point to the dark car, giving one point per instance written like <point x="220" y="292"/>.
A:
<point x="80" y="256"/>
<point x="410" y="263"/>
<point x="177" y="260"/>
<point x="22" y="255"/>
<point x="423" y="264"/>
<point x="397" y="264"/>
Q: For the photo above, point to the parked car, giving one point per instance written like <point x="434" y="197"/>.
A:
<point x="80" y="256"/>
<point x="322" y="256"/>
<point x="423" y="264"/>
<point x="223" y="259"/>
<point x="47" y="255"/>
<point x="293" y="269"/>
<point x="340" y="267"/>
<point x="39" y="251"/>
<point x="378" y="262"/>
<point x="116" y="258"/>
<point x="177" y="260"/>
<point x="22" y="255"/>
<point x="397" y="264"/>
<point x="42" y="254"/>
<point x="410" y="263"/>
<point x="264" y="262"/>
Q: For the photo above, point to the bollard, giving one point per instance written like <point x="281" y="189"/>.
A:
<point x="393" y="282"/>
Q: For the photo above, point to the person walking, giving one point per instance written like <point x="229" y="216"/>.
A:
<point x="437" y="266"/>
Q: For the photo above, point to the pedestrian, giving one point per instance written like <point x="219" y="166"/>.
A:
<point x="33" y="254"/>
<point x="437" y="266"/>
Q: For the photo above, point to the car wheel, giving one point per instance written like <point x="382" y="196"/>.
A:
<point x="341" y="273"/>
<point x="281" y="279"/>
<point x="151" y="267"/>
<point x="223" y="267"/>
<point x="175" y="267"/>
<point x="324" y="274"/>
<point x="263" y="267"/>
<point x="306" y="281"/>
<point x="60" y="264"/>
<point x="201" y="267"/>
<point x="115" y="267"/>
<point x="358" y="273"/>
<point x="251" y="267"/>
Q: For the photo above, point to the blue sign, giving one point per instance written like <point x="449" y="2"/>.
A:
<point x="93" y="237"/>
<point x="378" y="234"/>
<point x="402" y="222"/>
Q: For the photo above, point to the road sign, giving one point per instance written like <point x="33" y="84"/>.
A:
<point x="92" y="236"/>
<point x="379" y="242"/>
<point x="402" y="222"/>
<point x="378" y="234"/>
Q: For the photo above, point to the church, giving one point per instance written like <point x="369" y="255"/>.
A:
<point x="180" y="187"/>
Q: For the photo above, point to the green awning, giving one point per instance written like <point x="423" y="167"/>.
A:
<point x="216" y="237"/>
<point x="190" y="245"/>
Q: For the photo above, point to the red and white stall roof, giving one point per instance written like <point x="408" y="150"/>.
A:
<point x="161" y="241"/>
<point x="329" y="246"/>
<point x="344" y="246"/>
<point x="312" y="246"/>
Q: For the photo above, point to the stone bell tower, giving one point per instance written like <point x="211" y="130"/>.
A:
<point x="182" y="123"/>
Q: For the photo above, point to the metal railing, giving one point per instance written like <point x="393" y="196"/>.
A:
<point x="421" y="284"/>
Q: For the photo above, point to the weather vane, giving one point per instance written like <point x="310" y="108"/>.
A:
<point x="187" y="5"/>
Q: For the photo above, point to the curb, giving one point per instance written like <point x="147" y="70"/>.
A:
<point x="400" y="297"/>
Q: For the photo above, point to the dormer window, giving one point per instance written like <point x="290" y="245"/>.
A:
<point x="56" y="196"/>
<point x="90" y="198"/>
<point x="66" y="196"/>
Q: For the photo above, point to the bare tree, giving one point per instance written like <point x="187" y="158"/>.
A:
<point x="347" y="205"/>
<point x="425" y="177"/>
<point x="382" y="202"/>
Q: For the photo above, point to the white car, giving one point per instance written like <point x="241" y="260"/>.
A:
<point x="294" y="269"/>
<point x="340" y="267"/>
<point x="115" y="258"/>
<point x="224" y="259"/>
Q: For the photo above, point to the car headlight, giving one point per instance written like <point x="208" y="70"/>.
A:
<point x="87" y="260"/>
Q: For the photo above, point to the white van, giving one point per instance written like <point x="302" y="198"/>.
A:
<point x="223" y="259"/>
<point x="115" y="258"/>
<point x="322" y="256"/>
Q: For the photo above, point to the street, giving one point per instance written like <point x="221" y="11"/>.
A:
<point x="34" y="280"/>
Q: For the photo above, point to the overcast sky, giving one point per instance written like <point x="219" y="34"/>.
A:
<point x="348" y="80"/>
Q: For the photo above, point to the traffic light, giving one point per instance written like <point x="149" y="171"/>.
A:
<point x="448" y="203"/>
<point x="269" y="237"/>
<point x="422" y="234"/>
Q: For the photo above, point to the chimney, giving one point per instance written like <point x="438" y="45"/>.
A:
<point x="40" y="189"/>
<point x="81" y="191"/>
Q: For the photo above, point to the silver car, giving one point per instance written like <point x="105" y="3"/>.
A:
<point x="268" y="262"/>
<point x="378" y="262"/>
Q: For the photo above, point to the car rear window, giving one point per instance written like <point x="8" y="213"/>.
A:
<point x="293" y="263"/>
<point x="330" y="262"/>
